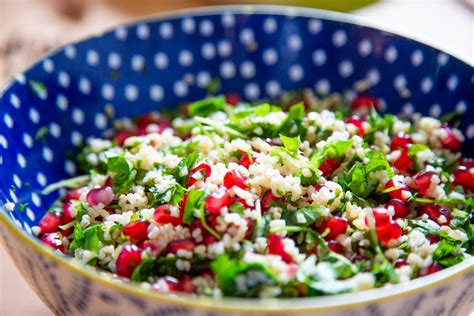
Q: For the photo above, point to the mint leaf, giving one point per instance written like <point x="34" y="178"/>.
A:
<point x="333" y="150"/>
<point x="291" y="143"/>
<point x="194" y="201"/>
<point x="309" y="213"/>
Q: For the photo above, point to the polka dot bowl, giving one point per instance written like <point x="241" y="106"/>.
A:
<point x="48" y="111"/>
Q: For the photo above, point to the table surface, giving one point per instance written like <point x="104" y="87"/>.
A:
<point x="446" y="24"/>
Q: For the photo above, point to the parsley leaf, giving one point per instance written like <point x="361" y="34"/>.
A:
<point x="194" y="202"/>
<point x="333" y="150"/>
<point x="124" y="173"/>
<point x="309" y="213"/>
<point x="206" y="106"/>
<point x="291" y="143"/>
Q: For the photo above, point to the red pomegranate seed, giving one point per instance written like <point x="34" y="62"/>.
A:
<point x="171" y="284"/>
<point x="181" y="244"/>
<point x="433" y="269"/>
<point x="336" y="226"/>
<point x="128" y="259"/>
<point x="335" y="246"/>
<point x="137" y="230"/>
<point x="381" y="217"/>
<point x="435" y="211"/>
<point x="249" y="232"/>
<point x="234" y="178"/>
<point x="433" y="239"/>
<point x="186" y="285"/>
<point x="389" y="232"/>
<point x="245" y="160"/>
<point x="328" y="166"/>
<point x="217" y="200"/>
<point x="467" y="162"/>
<point x="73" y="194"/>
<point x="201" y="172"/>
<point x="464" y="178"/>
<point x="358" y="122"/>
<point x="162" y="216"/>
<point x="277" y="247"/>
<point x="232" y="98"/>
<point x="209" y="240"/>
<point x="53" y="240"/>
<point x="50" y="222"/>
<point x="451" y="140"/>
<point x="361" y="102"/>
<point x="399" y="207"/>
<point x="67" y="215"/>
<point x="400" y="263"/>
<point x="103" y="195"/>
<point x="422" y="181"/>
<point x="267" y="200"/>
<point x="149" y="246"/>
<point x="404" y="162"/>
<point x="400" y="141"/>
<point x="318" y="187"/>
<point x="121" y="136"/>
<point x="402" y="191"/>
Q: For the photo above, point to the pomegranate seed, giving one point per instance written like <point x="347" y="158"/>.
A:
<point x="186" y="285"/>
<point x="103" y="195"/>
<point x="217" y="200"/>
<point x="121" y="136"/>
<point x="433" y="269"/>
<point x="181" y="244"/>
<point x="73" y="194"/>
<point x="171" y="284"/>
<point x="162" y="216"/>
<point x="365" y="102"/>
<point x="400" y="263"/>
<point x="232" y="178"/>
<point x="249" y="232"/>
<point x="400" y="141"/>
<point x="277" y="247"/>
<point x="137" y="230"/>
<point x="336" y="226"/>
<point x="197" y="173"/>
<point x="467" y="162"/>
<point x="464" y="178"/>
<point x="128" y="259"/>
<point x="53" y="240"/>
<point x="422" y="181"/>
<point x="335" y="246"/>
<point x="328" y="166"/>
<point x="209" y="240"/>
<point x="399" y="207"/>
<point x="50" y="222"/>
<point x="267" y="200"/>
<point x="404" y="162"/>
<point x="245" y="160"/>
<point x="451" y="140"/>
<point x="433" y="239"/>
<point x="232" y="98"/>
<point x="318" y="187"/>
<point x="150" y="246"/>
<point x="358" y="122"/>
<point x="389" y="232"/>
<point x="381" y="217"/>
<point x="402" y="192"/>
<point x="435" y="211"/>
<point x="67" y="215"/>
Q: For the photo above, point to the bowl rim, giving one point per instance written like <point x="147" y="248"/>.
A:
<point x="253" y="306"/>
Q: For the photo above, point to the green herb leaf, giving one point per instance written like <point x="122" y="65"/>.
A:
<point x="206" y="106"/>
<point x="333" y="150"/>
<point x="291" y="143"/>
<point x="70" y="183"/>
<point x="237" y="208"/>
<point x="309" y="213"/>
<point x="193" y="203"/>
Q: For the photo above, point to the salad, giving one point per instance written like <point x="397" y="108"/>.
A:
<point x="304" y="196"/>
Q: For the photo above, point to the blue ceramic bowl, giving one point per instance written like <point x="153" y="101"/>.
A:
<point x="259" y="51"/>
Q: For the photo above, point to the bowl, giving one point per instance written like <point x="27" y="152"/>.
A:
<point x="157" y="63"/>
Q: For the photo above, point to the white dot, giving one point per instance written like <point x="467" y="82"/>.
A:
<point x="252" y="91"/>
<point x="166" y="30"/>
<point x="121" y="33"/>
<point x="224" y="48"/>
<point x="247" y="69"/>
<point x="185" y="58"/>
<point x="17" y="181"/>
<point x="426" y="85"/>
<point x="27" y="140"/>
<point x="156" y="93"/>
<point x="30" y="214"/>
<point x="374" y="76"/>
<point x="435" y="110"/>
<point x="339" y="38"/>
<point x="138" y="63"/>
<point x="206" y="28"/>
<point x="203" y="79"/>
<point x="461" y="107"/>
<point x="391" y="54"/>
<point x="76" y="138"/>
<point x="247" y="36"/>
<point x="100" y="121"/>
<point x="365" y="48"/>
<point x="345" y="68"/>
<point x="114" y="61"/>
<point x="295" y="73"/>
<point x="70" y="52"/>
<point x="470" y="131"/>
<point x="314" y="26"/>
<point x="452" y="83"/>
<point x="323" y="87"/>
<point x="270" y="25"/>
<point x="400" y="82"/>
<point x="8" y="120"/>
<point x="180" y="88"/>
<point x="442" y="59"/>
<point x="228" y="20"/>
<point x="382" y="103"/>
<point x="41" y="178"/>
<point x="34" y="115"/>
<point x="131" y="92"/>
<point x="78" y="116"/>
<point x="408" y="109"/>
<point x="20" y="78"/>
<point x="227" y="70"/>
<point x="55" y="130"/>
<point x="161" y="61"/>
<point x="416" y="58"/>
<point x="21" y="160"/>
<point x="92" y="58"/>
<point x="143" y="31"/>
<point x="84" y="85"/>
<point x="270" y="56"/>
<point x="319" y="57"/>
<point x="108" y="91"/>
<point x="3" y="142"/>
<point x="188" y="25"/>
<point x="273" y="88"/>
<point x="294" y="42"/>
<point x="62" y="102"/>
<point x="14" y="198"/>
<point x="64" y="79"/>
<point x="208" y="51"/>
<point x="48" y="154"/>
<point x="15" y="101"/>
<point x="70" y="167"/>
<point x="48" y="65"/>
<point x="35" y="199"/>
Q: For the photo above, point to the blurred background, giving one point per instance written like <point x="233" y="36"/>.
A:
<point x="29" y="28"/>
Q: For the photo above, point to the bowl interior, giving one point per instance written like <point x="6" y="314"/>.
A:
<point x="47" y="112"/>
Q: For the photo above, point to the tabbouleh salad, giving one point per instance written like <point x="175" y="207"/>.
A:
<point x="309" y="197"/>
